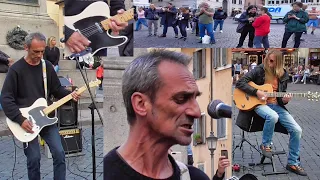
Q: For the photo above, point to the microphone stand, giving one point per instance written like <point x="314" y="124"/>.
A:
<point x="92" y="106"/>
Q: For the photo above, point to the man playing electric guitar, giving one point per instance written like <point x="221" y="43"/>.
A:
<point x="75" y="41"/>
<point x="24" y="84"/>
<point x="272" y="72"/>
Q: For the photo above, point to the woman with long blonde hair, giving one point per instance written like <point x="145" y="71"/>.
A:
<point x="52" y="53"/>
<point x="272" y="72"/>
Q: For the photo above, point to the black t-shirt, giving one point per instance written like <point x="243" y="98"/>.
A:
<point x="115" y="168"/>
<point x="52" y="55"/>
<point x="24" y="85"/>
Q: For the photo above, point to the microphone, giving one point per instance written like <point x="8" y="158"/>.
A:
<point x="217" y="109"/>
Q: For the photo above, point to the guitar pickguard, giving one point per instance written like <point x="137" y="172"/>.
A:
<point x="39" y="118"/>
<point x="88" y="28"/>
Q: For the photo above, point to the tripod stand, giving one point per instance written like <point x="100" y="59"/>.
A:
<point x="243" y="139"/>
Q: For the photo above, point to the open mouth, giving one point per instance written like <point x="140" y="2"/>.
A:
<point x="187" y="126"/>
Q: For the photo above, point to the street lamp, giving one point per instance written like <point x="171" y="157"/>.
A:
<point x="212" y="146"/>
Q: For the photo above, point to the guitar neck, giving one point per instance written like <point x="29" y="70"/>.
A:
<point x="281" y="94"/>
<point x="125" y="17"/>
<point x="62" y="101"/>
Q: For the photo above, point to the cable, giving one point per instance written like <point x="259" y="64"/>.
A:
<point x="73" y="162"/>
<point x="15" y="157"/>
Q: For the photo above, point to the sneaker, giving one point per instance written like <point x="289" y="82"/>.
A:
<point x="184" y="38"/>
<point x="149" y="35"/>
<point x="155" y="34"/>
<point x="296" y="169"/>
<point x="181" y="37"/>
<point x="266" y="151"/>
<point x="214" y="31"/>
<point x="176" y="36"/>
<point x="221" y="31"/>
<point x="162" y="35"/>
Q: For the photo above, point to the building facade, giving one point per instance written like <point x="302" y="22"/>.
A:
<point x="227" y="5"/>
<point x="253" y="2"/>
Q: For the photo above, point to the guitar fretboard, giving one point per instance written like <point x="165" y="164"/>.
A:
<point x="281" y="94"/>
<point x="67" y="98"/>
<point x="125" y="17"/>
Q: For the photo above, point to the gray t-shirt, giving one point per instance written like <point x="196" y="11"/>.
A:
<point x="204" y="18"/>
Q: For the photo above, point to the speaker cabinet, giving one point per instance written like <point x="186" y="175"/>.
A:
<point x="68" y="113"/>
<point x="71" y="140"/>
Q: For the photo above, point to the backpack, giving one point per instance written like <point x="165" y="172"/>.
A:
<point x="184" y="171"/>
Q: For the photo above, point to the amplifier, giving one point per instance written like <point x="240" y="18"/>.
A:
<point x="71" y="140"/>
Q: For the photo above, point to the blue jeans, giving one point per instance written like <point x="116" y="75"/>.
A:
<point x="141" y="21"/>
<point x="216" y="23"/>
<point x="32" y="150"/>
<point x="165" y="29"/>
<point x="261" y="39"/>
<point x="183" y="30"/>
<point x="208" y="27"/>
<point x="272" y="113"/>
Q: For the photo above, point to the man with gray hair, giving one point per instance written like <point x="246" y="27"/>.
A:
<point x="23" y="85"/>
<point x="159" y="94"/>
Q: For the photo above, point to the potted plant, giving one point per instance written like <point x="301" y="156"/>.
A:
<point x="197" y="138"/>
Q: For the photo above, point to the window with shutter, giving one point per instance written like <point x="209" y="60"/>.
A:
<point x="199" y="127"/>
<point x="199" y="64"/>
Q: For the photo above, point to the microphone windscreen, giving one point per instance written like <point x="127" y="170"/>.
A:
<point x="212" y="108"/>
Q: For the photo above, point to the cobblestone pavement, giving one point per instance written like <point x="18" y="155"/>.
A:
<point x="228" y="39"/>
<point x="307" y="114"/>
<point x="80" y="165"/>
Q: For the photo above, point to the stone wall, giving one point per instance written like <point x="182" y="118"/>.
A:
<point x="29" y="18"/>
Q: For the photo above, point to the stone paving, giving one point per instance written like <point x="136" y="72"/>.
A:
<point x="307" y="114"/>
<point x="228" y="39"/>
<point x="76" y="166"/>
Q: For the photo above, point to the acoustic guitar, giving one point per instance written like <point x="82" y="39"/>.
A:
<point x="244" y="101"/>
<point x="38" y="112"/>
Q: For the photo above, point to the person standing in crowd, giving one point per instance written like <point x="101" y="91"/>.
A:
<point x="262" y="29"/>
<point x="183" y="19"/>
<point x="313" y="19"/>
<point x="295" y="20"/>
<point x="141" y="19"/>
<point x="195" y="21"/>
<point x="99" y="74"/>
<point x="52" y="53"/>
<point x="237" y="68"/>
<point x="205" y="14"/>
<point x="153" y="16"/>
<point x="168" y="19"/>
<point x="253" y="64"/>
<point x="247" y="18"/>
<point x="5" y="62"/>
<point x="219" y="17"/>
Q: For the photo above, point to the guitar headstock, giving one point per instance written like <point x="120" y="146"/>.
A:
<point x="94" y="83"/>
<point x="313" y="96"/>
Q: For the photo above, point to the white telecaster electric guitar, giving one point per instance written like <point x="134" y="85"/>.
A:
<point x="93" y="23"/>
<point x="38" y="115"/>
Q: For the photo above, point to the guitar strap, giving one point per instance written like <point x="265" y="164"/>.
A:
<point x="44" y="72"/>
